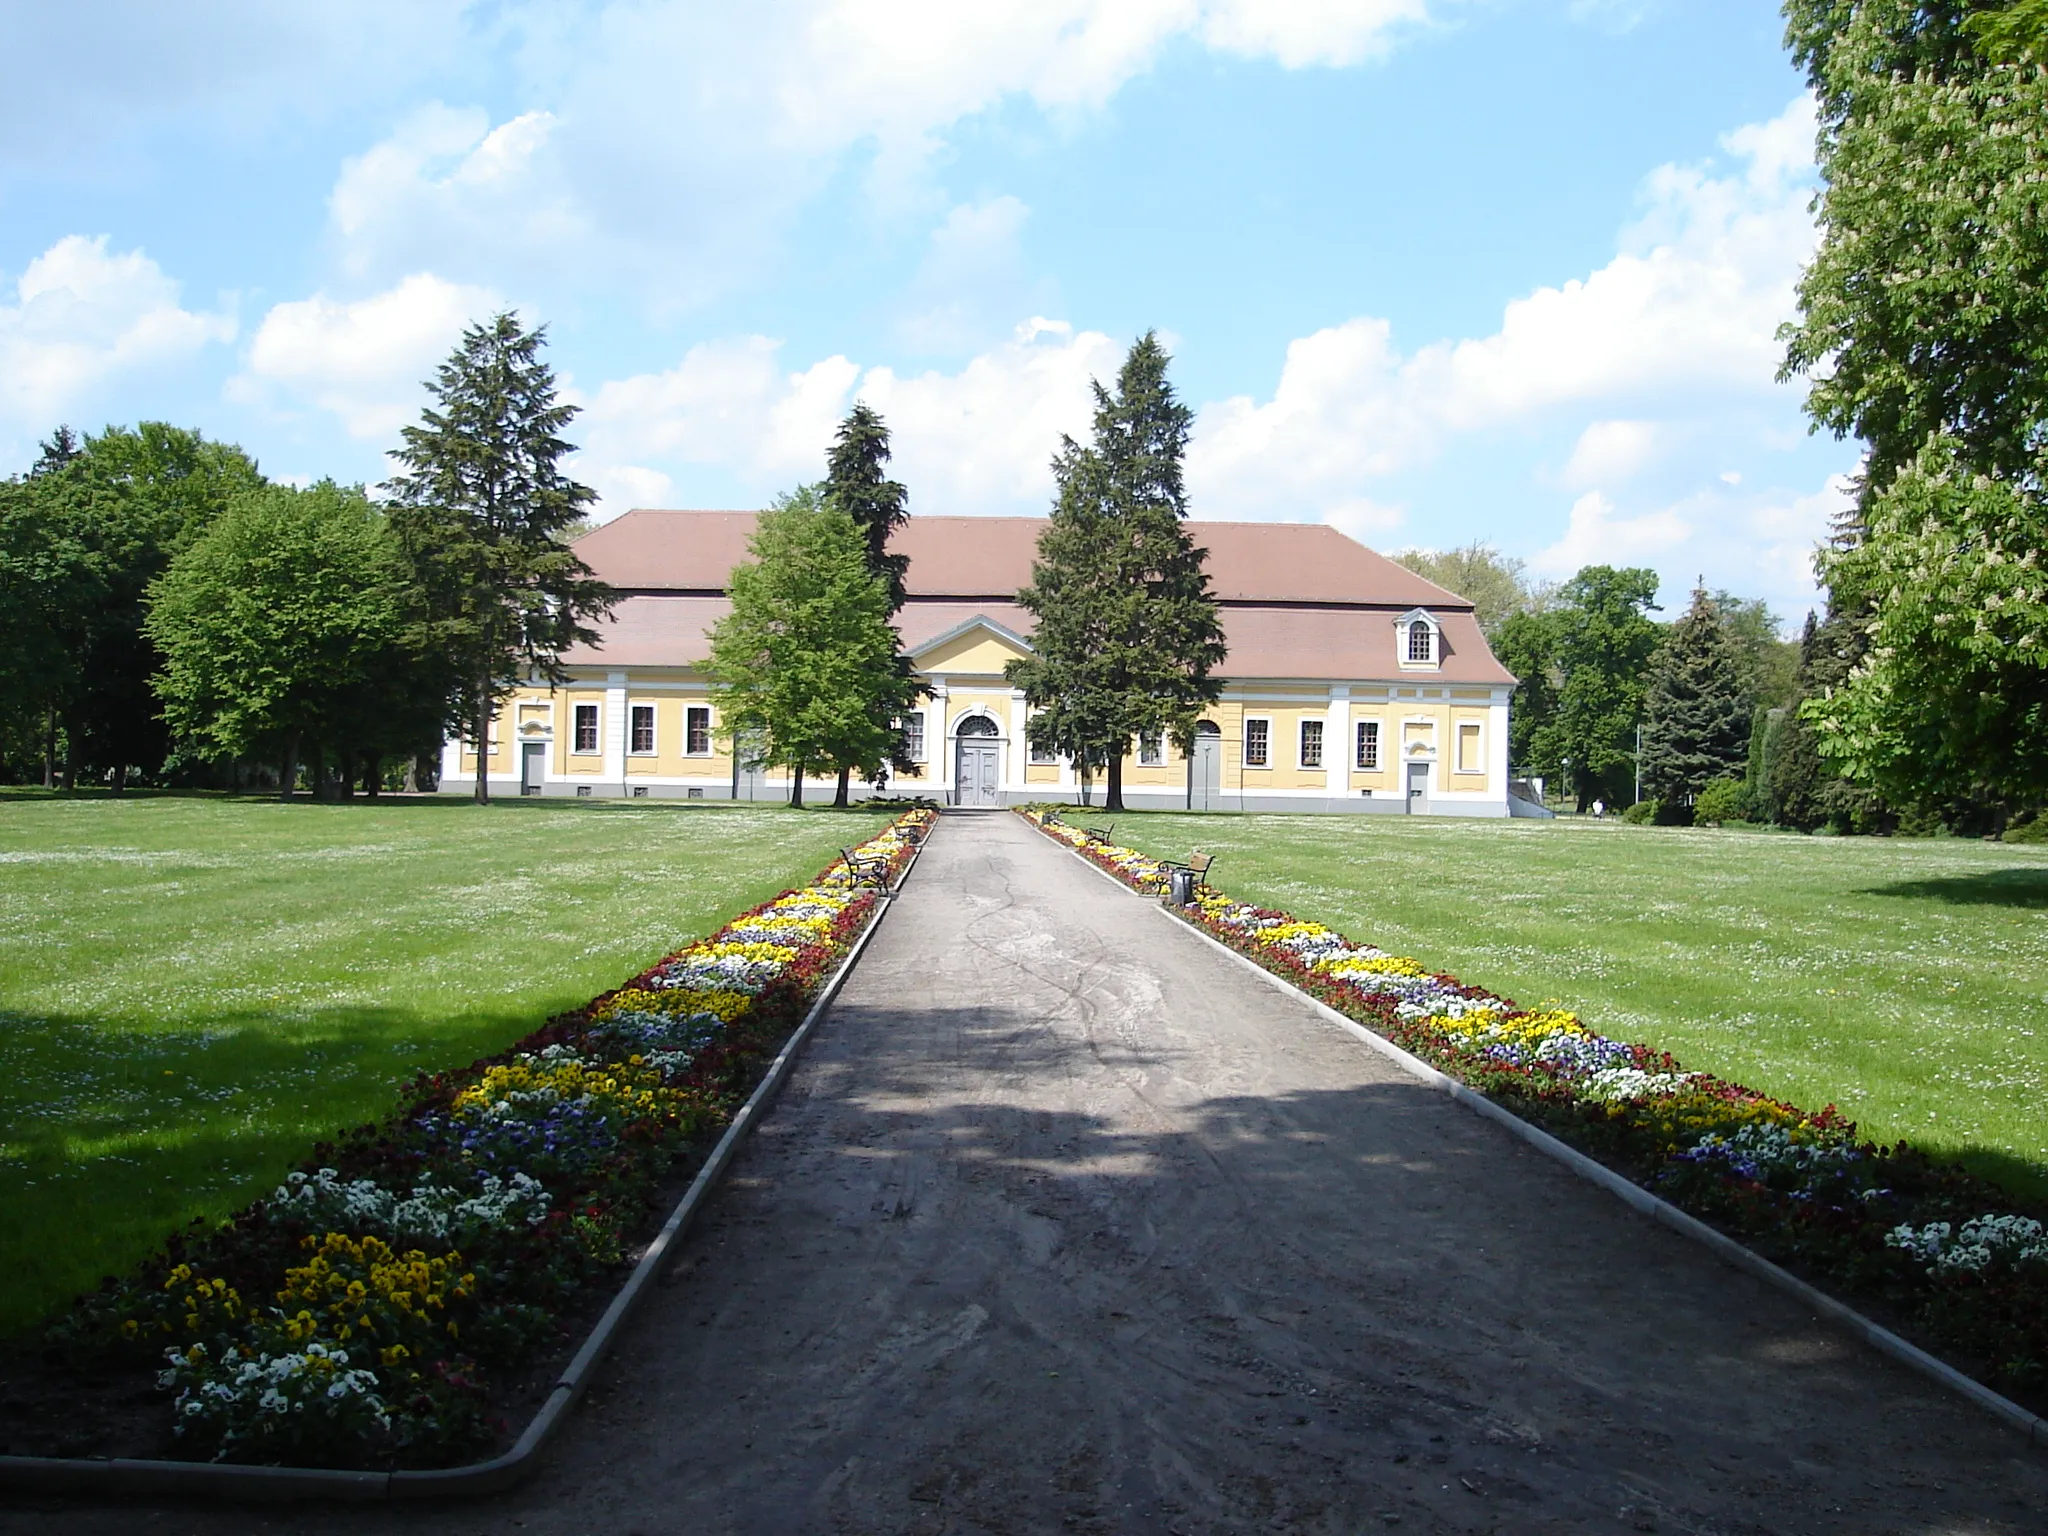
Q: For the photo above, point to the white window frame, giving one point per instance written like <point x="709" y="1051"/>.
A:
<point x="1423" y="630"/>
<point x="1365" y="731"/>
<point x="1478" y="730"/>
<point x="690" y="714"/>
<point x="634" y="712"/>
<point x="1308" y="725"/>
<point x="1265" y="723"/>
<point x="913" y="727"/>
<point x="596" y="747"/>
<point x="1151" y="749"/>
<point x="1032" y="755"/>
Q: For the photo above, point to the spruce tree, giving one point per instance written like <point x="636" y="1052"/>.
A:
<point x="482" y="514"/>
<point x="1127" y="630"/>
<point x="857" y="484"/>
<point x="1695" y="718"/>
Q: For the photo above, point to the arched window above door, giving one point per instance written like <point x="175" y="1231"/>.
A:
<point x="977" y="725"/>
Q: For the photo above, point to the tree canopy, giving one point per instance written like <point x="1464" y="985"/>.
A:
<point x="481" y="513"/>
<point x="1695" y="714"/>
<point x="802" y="665"/>
<point x="1498" y="585"/>
<point x="1602" y="641"/>
<point x="1127" y="634"/>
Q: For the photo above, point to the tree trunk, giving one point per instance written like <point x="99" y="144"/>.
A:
<point x="412" y="776"/>
<point x="483" y="739"/>
<point x="50" y="750"/>
<point x="796" y="790"/>
<point x="70" y="757"/>
<point x="839" y="800"/>
<point x="288" y="774"/>
<point x="372" y="766"/>
<point x="120" y="778"/>
<point x="1113" y="786"/>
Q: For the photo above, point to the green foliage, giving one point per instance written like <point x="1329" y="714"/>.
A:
<point x="804" y="663"/>
<point x="1766" y="665"/>
<point x="1604" y="640"/>
<point x="1953" y="690"/>
<point x="856" y="484"/>
<point x="284" y="622"/>
<point x="1497" y="585"/>
<point x="1925" y="309"/>
<point x="1526" y="644"/>
<point x="1723" y="800"/>
<point x="1694" y="716"/>
<point x="1127" y="632"/>
<point x="1641" y="814"/>
<point x="482" y="513"/>
<point x="2015" y="34"/>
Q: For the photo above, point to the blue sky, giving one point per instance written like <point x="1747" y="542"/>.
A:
<point x="1432" y="270"/>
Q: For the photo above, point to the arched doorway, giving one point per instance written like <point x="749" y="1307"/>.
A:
<point x="977" y="762"/>
<point x="1205" y="767"/>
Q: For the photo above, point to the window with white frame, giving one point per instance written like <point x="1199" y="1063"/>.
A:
<point x="1044" y="757"/>
<point x="1311" y="743"/>
<point x="912" y="727"/>
<point x="1257" y="738"/>
<point x="643" y="728"/>
<point x="1151" y="749"/>
<point x="1468" y="749"/>
<point x="586" y="728"/>
<point x="1368" y="744"/>
<point x="697" y="730"/>
<point x="1421" y="641"/>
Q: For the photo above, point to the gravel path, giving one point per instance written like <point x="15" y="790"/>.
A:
<point x="1068" y="1223"/>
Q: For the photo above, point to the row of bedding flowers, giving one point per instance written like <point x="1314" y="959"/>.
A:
<point x="362" y="1315"/>
<point x="1937" y="1250"/>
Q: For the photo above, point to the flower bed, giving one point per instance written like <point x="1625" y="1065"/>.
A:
<point x="368" y="1312"/>
<point x="1937" y="1250"/>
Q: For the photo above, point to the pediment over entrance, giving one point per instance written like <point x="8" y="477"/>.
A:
<point x="979" y="646"/>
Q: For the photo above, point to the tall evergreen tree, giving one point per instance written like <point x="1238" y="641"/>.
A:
<point x="1127" y="634"/>
<point x="1794" y="778"/>
<point x="1695" y="717"/>
<point x="482" y="512"/>
<point x="801" y="663"/>
<point x="857" y="484"/>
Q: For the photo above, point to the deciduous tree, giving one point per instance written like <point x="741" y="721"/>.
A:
<point x="1498" y="585"/>
<point x="1604" y="640"/>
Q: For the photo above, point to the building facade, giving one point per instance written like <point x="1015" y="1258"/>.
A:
<point x="1351" y="683"/>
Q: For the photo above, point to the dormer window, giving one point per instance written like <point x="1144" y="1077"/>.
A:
<point x="1418" y="640"/>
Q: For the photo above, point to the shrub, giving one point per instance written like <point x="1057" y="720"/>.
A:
<point x="1641" y="814"/>
<point x="1722" y="800"/>
<point x="2032" y="830"/>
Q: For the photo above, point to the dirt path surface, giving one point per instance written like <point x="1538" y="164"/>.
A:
<point x="1069" y="1223"/>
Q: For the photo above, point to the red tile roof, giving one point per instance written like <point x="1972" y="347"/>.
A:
<point x="1300" y="600"/>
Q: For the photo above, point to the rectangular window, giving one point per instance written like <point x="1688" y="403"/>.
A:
<point x="912" y="727"/>
<point x="643" y="727"/>
<point x="1311" y="743"/>
<point x="1255" y="732"/>
<point x="697" y="731"/>
<point x="1039" y="755"/>
<point x="586" y="727"/>
<point x="1468" y="749"/>
<point x="1151" y="749"/>
<point x="1368" y="743"/>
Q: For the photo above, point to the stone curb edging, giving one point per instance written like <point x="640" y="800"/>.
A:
<point x="128" y="1477"/>
<point x="2029" y="1425"/>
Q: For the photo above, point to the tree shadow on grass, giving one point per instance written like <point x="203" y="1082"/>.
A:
<point x="2025" y="888"/>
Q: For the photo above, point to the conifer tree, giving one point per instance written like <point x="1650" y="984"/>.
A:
<point x="1695" y="718"/>
<point x="802" y="663"/>
<point x="1127" y="631"/>
<point x="482" y="513"/>
<point x="857" y="484"/>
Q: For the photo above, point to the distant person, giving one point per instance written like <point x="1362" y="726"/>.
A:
<point x="1599" y="809"/>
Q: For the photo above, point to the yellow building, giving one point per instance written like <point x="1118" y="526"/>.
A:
<point x="1351" y="683"/>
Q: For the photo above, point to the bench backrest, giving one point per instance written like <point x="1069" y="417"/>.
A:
<point x="1199" y="862"/>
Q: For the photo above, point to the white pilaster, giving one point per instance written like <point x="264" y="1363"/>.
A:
<point x="1020" y="748"/>
<point x="1337" y="743"/>
<point x="1497" y="764"/>
<point x="614" y="727"/>
<point x="938" y="749"/>
<point x="451" y="760"/>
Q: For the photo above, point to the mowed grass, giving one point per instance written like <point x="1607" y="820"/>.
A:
<point x="1904" y="980"/>
<point x="195" y="991"/>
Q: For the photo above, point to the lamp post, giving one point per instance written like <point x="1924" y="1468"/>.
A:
<point x="1566" y="764"/>
<point x="1639" y="762"/>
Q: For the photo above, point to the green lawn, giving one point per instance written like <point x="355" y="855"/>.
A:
<point x="193" y="991"/>
<point x="1905" y="980"/>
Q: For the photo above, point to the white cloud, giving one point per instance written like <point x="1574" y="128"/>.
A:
<point x="1595" y="536"/>
<point x="972" y="272"/>
<point x="1609" y="452"/>
<point x="82" y="315"/>
<point x="1683" y="317"/>
<point x="667" y="145"/>
<point x="364" y="361"/>
<point x="975" y="441"/>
